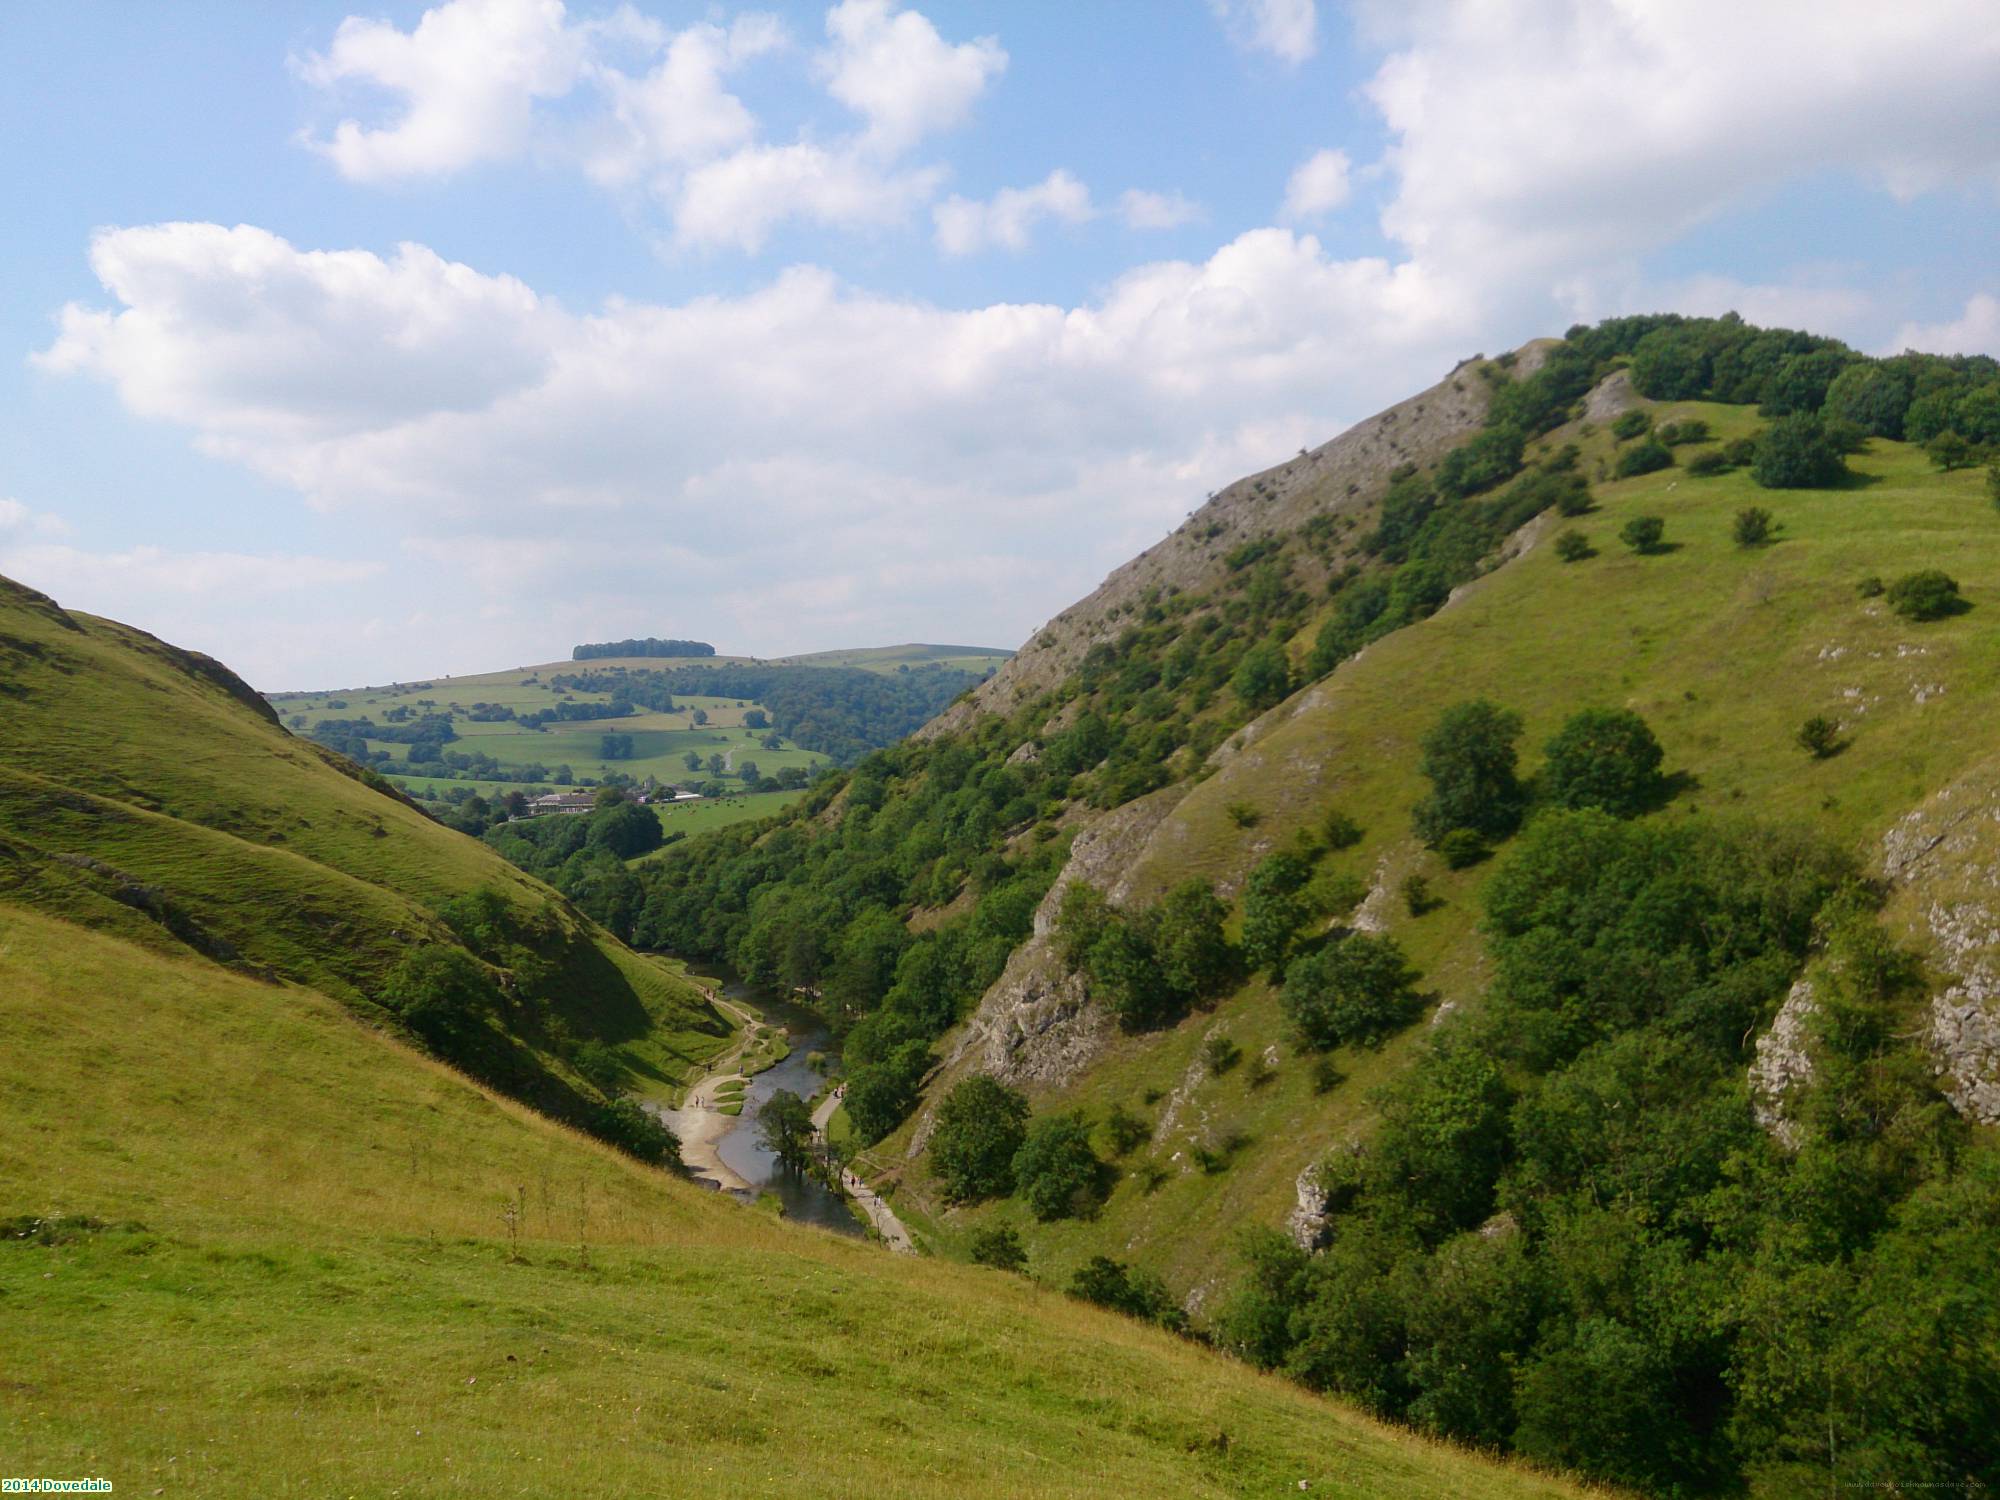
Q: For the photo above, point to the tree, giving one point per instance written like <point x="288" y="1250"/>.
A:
<point x="1793" y="453"/>
<point x="1469" y="758"/>
<point x="442" y="994"/>
<point x="1629" y="424"/>
<point x="1819" y="736"/>
<point x="626" y="829"/>
<point x="998" y="1246"/>
<point x="692" y="760"/>
<point x="1604" y="757"/>
<point x="981" y="1124"/>
<point x="698" y="716"/>
<point x="1644" y="458"/>
<point x="1195" y="958"/>
<point x="1262" y="678"/>
<point x="1929" y="594"/>
<point x="1573" y="546"/>
<point x="1355" y="990"/>
<point x="1056" y="1171"/>
<point x="1272" y="910"/>
<point x="1872" y="395"/>
<point x="1125" y="974"/>
<point x="1752" y="527"/>
<point x="756" y="718"/>
<point x="1643" y="533"/>
<point x="785" y="1129"/>
<point x="1949" y="451"/>
<point x="879" y="1097"/>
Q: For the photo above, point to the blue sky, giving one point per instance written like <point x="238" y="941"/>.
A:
<point x="357" y="344"/>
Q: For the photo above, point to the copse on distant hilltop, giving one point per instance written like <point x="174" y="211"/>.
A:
<point x="650" y="646"/>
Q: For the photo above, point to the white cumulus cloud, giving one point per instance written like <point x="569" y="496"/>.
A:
<point x="1141" y="209"/>
<point x="1317" y="186"/>
<point x="891" y="67"/>
<point x="1287" y="29"/>
<point x="1976" y="330"/>
<point x="1007" y="219"/>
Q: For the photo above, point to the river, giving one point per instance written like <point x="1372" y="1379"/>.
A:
<point x="805" y="1200"/>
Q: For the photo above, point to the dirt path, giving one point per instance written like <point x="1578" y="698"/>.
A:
<point x="698" y="1122"/>
<point x="894" y="1235"/>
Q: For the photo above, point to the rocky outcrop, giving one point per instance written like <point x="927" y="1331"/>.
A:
<point x="1783" y="1063"/>
<point x="1312" y="1219"/>
<point x="1343" y="476"/>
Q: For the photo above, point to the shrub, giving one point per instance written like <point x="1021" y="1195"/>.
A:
<point x="1242" y="814"/>
<point x="1574" y="499"/>
<point x="1643" y="533"/>
<point x="1631" y="423"/>
<point x="1574" y="546"/>
<point x="1928" y="594"/>
<point x="1949" y="451"/>
<point x="1196" y="960"/>
<point x="1845" y="437"/>
<point x="1220" y="1055"/>
<point x="1794" y="454"/>
<point x="880" y="1095"/>
<point x="1606" y="758"/>
<point x="442" y="994"/>
<point x="998" y="1246"/>
<point x="1648" y="457"/>
<point x="1469" y="758"/>
<point x="1869" y="587"/>
<point x="599" y="1066"/>
<point x="1339" y="830"/>
<point x="1739" y="452"/>
<point x="1752" y="527"/>
<point x="1137" y="1294"/>
<point x="1819" y="736"/>
<point x="981" y="1123"/>
<point x="1124" y="1130"/>
<point x="1272" y="910"/>
<point x="1462" y="848"/>
<point x="1707" y="464"/>
<point x="1680" y="434"/>
<point x="1262" y="678"/>
<point x="1055" y="1171"/>
<point x="635" y="1132"/>
<point x="1417" y="897"/>
<point x="1355" y="990"/>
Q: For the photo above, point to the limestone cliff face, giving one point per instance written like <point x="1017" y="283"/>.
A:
<point x="1944" y="858"/>
<point x="1347" y="474"/>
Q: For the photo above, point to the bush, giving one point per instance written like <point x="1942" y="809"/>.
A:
<point x="1680" y="434"/>
<point x="1752" y="527"/>
<point x="1124" y="1130"/>
<point x="1631" y="423"/>
<point x="1643" y="533"/>
<point x="1869" y="587"/>
<point x="1220" y="1055"/>
<point x="1928" y="594"/>
<point x="1272" y="910"/>
<point x="1055" y="1171"/>
<point x="1949" y="451"/>
<point x="442" y="994"/>
<point x="880" y="1096"/>
<point x="1462" y="848"/>
<point x="1137" y="1294"/>
<point x="1339" y="830"/>
<point x="1606" y="758"/>
<point x="1574" y="499"/>
<point x="981" y="1123"/>
<point x="1648" y="457"/>
<point x="1573" y="546"/>
<point x="1469" y="757"/>
<point x="1242" y="814"/>
<point x="1262" y="678"/>
<point x="1355" y="990"/>
<point x="1740" y="452"/>
<point x="1819" y="736"/>
<point x="1707" y="464"/>
<point x="1793" y="453"/>
<point x="635" y="1132"/>
<point x="1417" y="897"/>
<point x="998" y="1246"/>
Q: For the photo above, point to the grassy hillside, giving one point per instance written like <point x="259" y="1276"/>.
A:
<point x="147" y="792"/>
<point x="252" y="1248"/>
<point x="1725" y="650"/>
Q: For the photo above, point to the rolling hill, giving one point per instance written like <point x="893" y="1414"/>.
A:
<point x="1697" y="527"/>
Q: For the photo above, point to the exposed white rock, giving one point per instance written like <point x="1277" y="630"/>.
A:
<point x="1783" y="1062"/>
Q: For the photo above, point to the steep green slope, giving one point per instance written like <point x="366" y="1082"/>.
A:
<point x="248" y="1247"/>
<point x="1778" y="1061"/>
<point x="1725" y="650"/>
<point x="147" y="791"/>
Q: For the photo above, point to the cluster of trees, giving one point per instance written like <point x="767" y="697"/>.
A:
<point x="510" y="976"/>
<point x="574" y="712"/>
<point x="650" y="646"/>
<point x="984" y="1145"/>
<point x="1148" y="968"/>
<point x="1571" y="1238"/>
